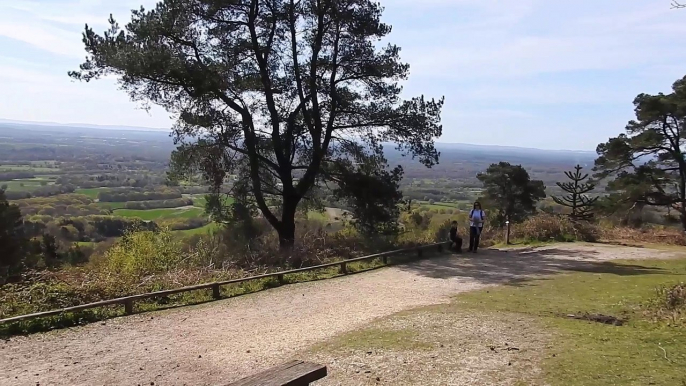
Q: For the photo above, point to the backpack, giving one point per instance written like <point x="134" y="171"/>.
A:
<point x="481" y="214"/>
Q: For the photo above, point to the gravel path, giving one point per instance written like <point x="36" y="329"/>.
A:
<point x="216" y="343"/>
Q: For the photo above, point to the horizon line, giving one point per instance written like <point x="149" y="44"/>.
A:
<point x="159" y="129"/>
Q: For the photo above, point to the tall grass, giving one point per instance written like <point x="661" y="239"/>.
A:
<point x="546" y="228"/>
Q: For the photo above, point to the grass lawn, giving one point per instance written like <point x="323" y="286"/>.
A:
<point x="591" y="353"/>
<point x="159" y="214"/>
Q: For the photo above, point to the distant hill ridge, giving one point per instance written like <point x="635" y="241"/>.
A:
<point x="441" y="146"/>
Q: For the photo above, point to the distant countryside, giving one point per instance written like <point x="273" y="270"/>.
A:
<point x="87" y="186"/>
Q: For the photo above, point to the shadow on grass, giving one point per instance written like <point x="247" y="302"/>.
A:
<point x="513" y="267"/>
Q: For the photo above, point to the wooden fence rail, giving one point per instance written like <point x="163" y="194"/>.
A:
<point x="128" y="301"/>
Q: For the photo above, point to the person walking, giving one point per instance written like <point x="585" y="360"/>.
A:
<point x="476" y="225"/>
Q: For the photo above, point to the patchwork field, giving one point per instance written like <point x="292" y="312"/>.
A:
<point x="161" y="214"/>
<point x="26" y="184"/>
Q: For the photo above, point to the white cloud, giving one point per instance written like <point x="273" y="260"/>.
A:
<point x="517" y="49"/>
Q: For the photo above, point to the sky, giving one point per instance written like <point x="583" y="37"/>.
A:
<point x="533" y="73"/>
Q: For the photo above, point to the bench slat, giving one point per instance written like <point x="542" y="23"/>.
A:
<point x="293" y="373"/>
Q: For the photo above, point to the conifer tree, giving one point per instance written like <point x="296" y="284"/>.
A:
<point x="577" y="199"/>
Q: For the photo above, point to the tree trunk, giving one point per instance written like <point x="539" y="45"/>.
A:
<point x="287" y="234"/>
<point x="287" y="227"/>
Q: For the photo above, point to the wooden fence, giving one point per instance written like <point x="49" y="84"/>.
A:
<point x="128" y="301"/>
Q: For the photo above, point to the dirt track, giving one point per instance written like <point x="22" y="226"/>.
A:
<point x="219" y="342"/>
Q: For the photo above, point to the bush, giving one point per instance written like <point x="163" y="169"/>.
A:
<point x="669" y="303"/>
<point x="138" y="254"/>
<point x="646" y="234"/>
<point x="548" y="227"/>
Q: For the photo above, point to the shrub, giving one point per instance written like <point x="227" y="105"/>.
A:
<point x="549" y="227"/>
<point x="646" y="234"/>
<point x="143" y="253"/>
<point x="669" y="303"/>
<point x="675" y="297"/>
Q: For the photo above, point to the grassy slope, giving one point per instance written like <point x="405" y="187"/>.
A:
<point x="199" y="200"/>
<point x="588" y="353"/>
<point x="158" y="214"/>
<point x="92" y="192"/>
<point x="211" y="227"/>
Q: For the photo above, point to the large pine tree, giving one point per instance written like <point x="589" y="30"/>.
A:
<point x="284" y="95"/>
<point x="646" y="165"/>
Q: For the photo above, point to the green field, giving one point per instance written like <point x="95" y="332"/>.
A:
<point x="25" y="185"/>
<point x="26" y="168"/>
<point x="112" y="205"/>
<point x="92" y="192"/>
<point x="437" y="205"/>
<point x="160" y="214"/>
<point x="211" y="227"/>
<point x="199" y="200"/>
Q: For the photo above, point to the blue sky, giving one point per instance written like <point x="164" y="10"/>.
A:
<point x="536" y="73"/>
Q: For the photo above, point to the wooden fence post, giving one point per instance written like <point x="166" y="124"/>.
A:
<point x="507" y="233"/>
<point x="344" y="268"/>
<point x="419" y="252"/>
<point x="385" y="260"/>
<point x="128" y="307"/>
<point x="216" y="293"/>
<point x="281" y="280"/>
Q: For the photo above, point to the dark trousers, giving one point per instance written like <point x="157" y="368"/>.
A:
<point x="457" y="241"/>
<point x="474" y="235"/>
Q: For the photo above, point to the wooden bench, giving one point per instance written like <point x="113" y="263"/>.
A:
<point x="293" y="373"/>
